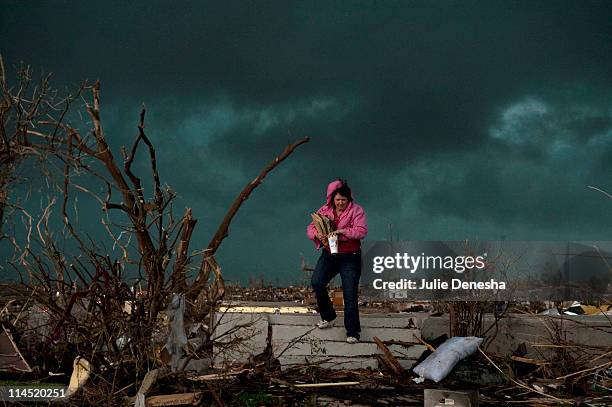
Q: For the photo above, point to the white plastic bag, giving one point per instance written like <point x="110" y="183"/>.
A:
<point x="440" y="363"/>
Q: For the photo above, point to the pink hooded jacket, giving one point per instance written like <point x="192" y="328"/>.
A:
<point x="353" y="220"/>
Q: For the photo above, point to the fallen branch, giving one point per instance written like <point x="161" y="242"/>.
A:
<point x="530" y="361"/>
<point x="222" y="231"/>
<point x="218" y="376"/>
<point x="6" y="307"/>
<point x="388" y="358"/>
<point x="602" y="356"/>
<point x="431" y="348"/>
<point x="602" y="366"/>
<point x="181" y="399"/>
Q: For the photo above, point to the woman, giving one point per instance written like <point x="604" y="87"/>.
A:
<point x="350" y="225"/>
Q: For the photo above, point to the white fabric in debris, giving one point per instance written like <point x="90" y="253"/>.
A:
<point x="440" y="363"/>
<point x="176" y="338"/>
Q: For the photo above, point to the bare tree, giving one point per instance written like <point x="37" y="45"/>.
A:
<point x="31" y="118"/>
<point x="92" y="310"/>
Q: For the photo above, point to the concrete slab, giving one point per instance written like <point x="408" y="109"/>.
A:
<point x="407" y="364"/>
<point x="339" y="362"/>
<point x="328" y="362"/>
<point x="401" y="320"/>
<point x="329" y="348"/>
<point x="402" y="352"/>
<point x="238" y="336"/>
<point x="515" y="329"/>
<point x="338" y="333"/>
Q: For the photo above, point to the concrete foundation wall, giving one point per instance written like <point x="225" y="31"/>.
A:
<point x="295" y="340"/>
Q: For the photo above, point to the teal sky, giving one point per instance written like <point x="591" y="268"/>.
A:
<point x="450" y="120"/>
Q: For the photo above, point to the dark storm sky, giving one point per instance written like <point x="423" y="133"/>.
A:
<point x="451" y="120"/>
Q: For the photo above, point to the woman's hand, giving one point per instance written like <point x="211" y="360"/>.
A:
<point x="337" y="232"/>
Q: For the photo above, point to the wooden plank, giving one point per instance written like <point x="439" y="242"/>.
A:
<point x="182" y="399"/>
<point x="338" y="333"/>
<point x="390" y="360"/>
<point x="217" y="376"/>
<point x="536" y="362"/>
<point x="418" y="338"/>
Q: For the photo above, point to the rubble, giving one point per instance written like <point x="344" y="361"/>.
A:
<point x="282" y="356"/>
<point x="576" y="308"/>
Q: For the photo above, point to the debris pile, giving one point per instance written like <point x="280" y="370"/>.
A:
<point x="274" y="359"/>
<point x="259" y="293"/>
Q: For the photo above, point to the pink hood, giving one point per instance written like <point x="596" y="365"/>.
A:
<point x="331" y="188"/>
<point x="353" y="220"/>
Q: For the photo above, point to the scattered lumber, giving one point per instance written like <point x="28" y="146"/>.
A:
<point x="431" y="348"/>
<point x="389" y="360"/>
<point x="182" y="399"/>
<point x="218" y="376"/>
<point x="530" y="361"/>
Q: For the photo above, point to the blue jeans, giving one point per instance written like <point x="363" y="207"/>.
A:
<point x="349" y="267"/>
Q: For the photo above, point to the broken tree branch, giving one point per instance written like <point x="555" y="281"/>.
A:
<point x="222" y="231"/>
<point x="389" y="359"/>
